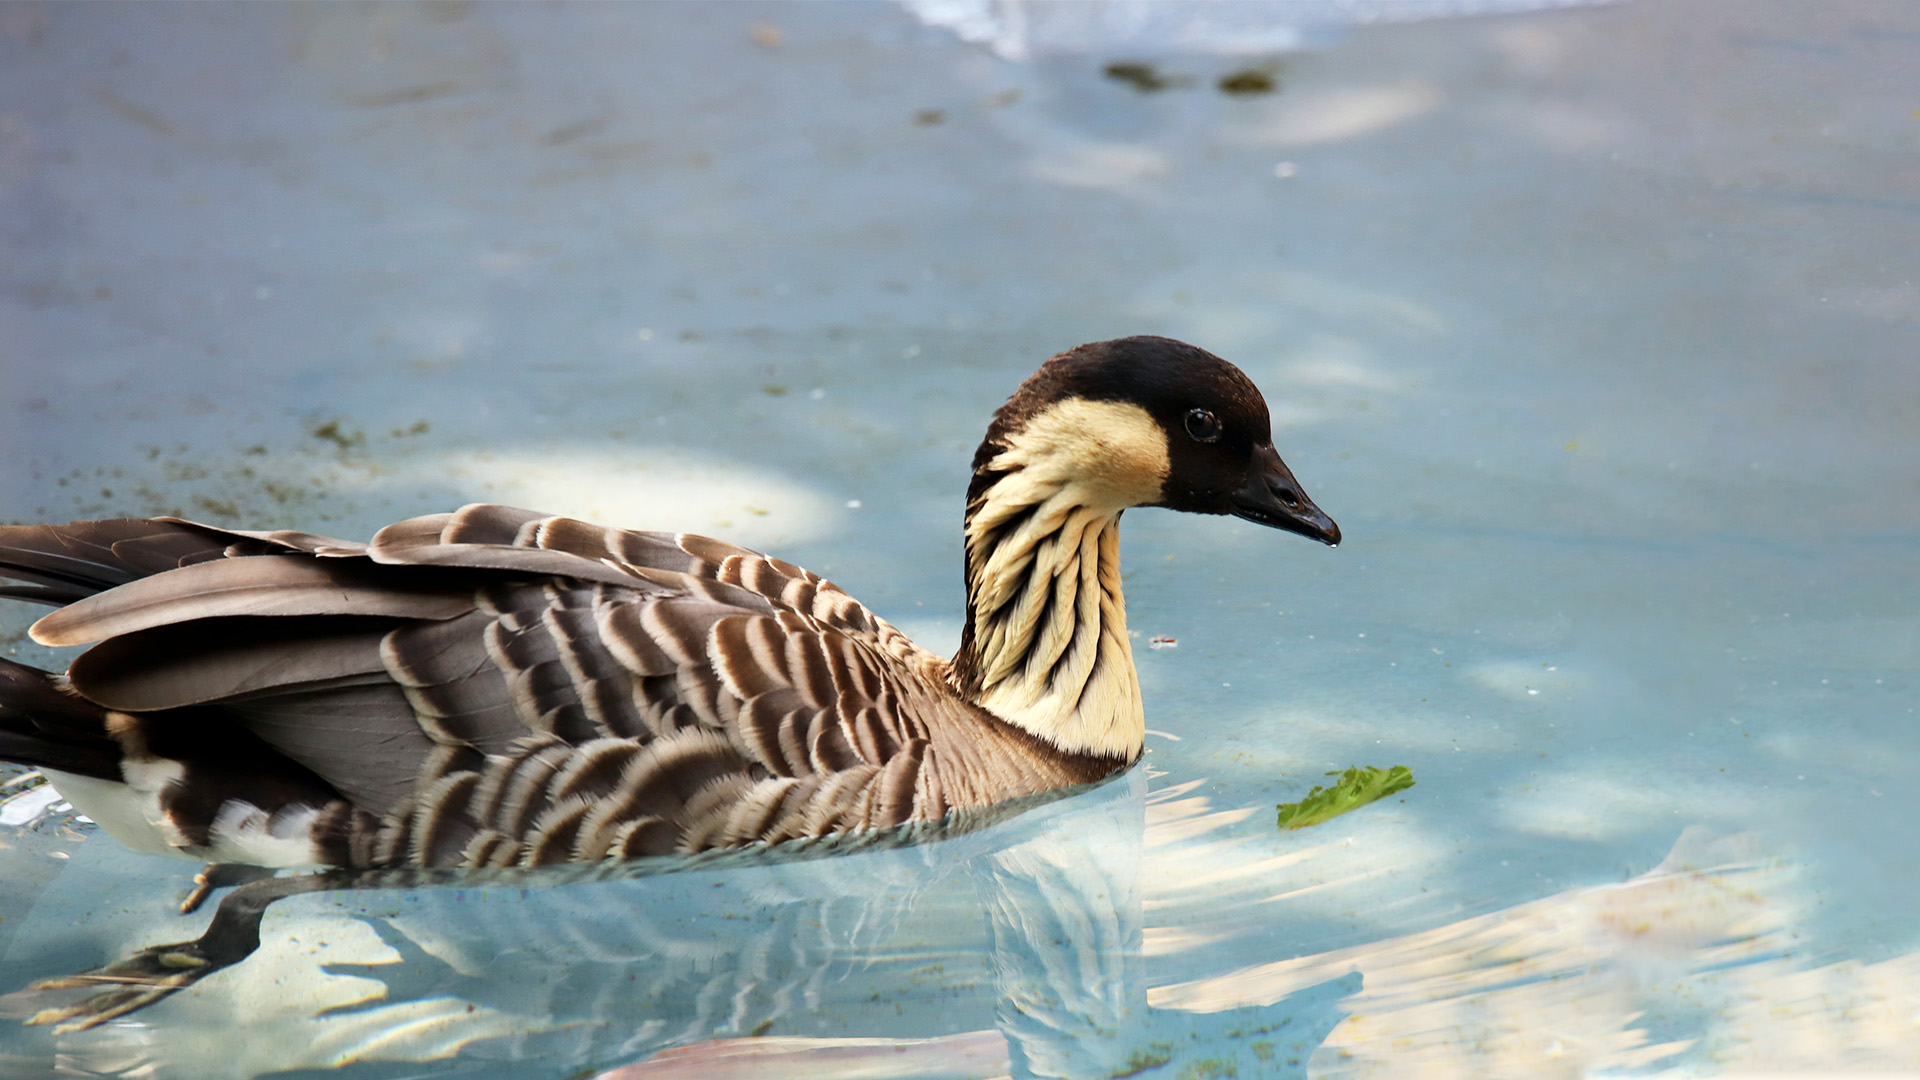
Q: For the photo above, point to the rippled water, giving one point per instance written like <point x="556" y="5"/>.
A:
<point x="1594" y="329"/>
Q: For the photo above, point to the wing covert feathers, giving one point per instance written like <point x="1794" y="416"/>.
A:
<point x="498" y="687"/>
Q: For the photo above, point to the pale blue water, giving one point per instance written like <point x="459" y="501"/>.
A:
<point x="1596" y="330"/>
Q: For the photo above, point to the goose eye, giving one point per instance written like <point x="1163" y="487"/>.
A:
<point x="1203" y="425"/>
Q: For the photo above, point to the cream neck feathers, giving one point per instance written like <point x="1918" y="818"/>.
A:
<point x="1046" y="646"/>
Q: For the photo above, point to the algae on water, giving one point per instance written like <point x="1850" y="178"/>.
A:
<point x="1356" y="787"/>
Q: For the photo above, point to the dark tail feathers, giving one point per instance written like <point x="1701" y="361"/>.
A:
<point x="47" y="727"/>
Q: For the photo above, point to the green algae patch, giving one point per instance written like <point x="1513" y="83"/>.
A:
<point x="1356" y="788"/>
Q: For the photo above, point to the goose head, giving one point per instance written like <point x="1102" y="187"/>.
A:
<point x="1141" y="421"/>
<point x="1144" y="421"/>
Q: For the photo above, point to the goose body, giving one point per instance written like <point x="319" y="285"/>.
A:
<point x="499" y="687"/>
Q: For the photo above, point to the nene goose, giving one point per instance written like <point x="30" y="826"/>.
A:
<point x="494" y="687"/>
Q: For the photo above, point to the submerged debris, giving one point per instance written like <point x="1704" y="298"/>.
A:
<point x="333" y="432"/>
<point x="1356" y="787"/>
<point x="1253" y="80"/>
<point x="1144" y="77"/>
<point x="1155" y="1055"/>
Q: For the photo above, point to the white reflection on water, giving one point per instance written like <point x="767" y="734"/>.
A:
<point x="644" y="487"/>
<point x="1570" y="984"/>
<point x="1336" y="114"/>
<point x="1020" y="29"/>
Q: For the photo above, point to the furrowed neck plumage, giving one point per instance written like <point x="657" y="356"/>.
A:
<point x="1045" y="645"/>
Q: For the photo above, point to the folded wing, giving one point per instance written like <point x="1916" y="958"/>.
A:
<point x="499" y="687"/>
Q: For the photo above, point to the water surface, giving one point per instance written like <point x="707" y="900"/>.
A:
<point x="1594" y="329"/>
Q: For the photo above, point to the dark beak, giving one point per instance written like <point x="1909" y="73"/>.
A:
<point x="1271" y="496"/>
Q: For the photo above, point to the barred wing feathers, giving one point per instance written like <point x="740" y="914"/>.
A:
<point x="497" y="687"/>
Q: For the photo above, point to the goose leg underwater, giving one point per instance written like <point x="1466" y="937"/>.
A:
<point x="494" y="687"/>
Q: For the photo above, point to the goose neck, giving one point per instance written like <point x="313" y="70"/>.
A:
<point x="1045" y="646"/>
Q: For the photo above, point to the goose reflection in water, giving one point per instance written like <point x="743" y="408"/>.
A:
<point x="1011" y="950"/>
<point x="1014" y="950"/>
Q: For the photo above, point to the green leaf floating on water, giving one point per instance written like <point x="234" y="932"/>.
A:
<point x="1356" y="787"/>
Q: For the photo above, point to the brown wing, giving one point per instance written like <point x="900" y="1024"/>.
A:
<point x="743" y="700"/>
<point x="497" y="687"/>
